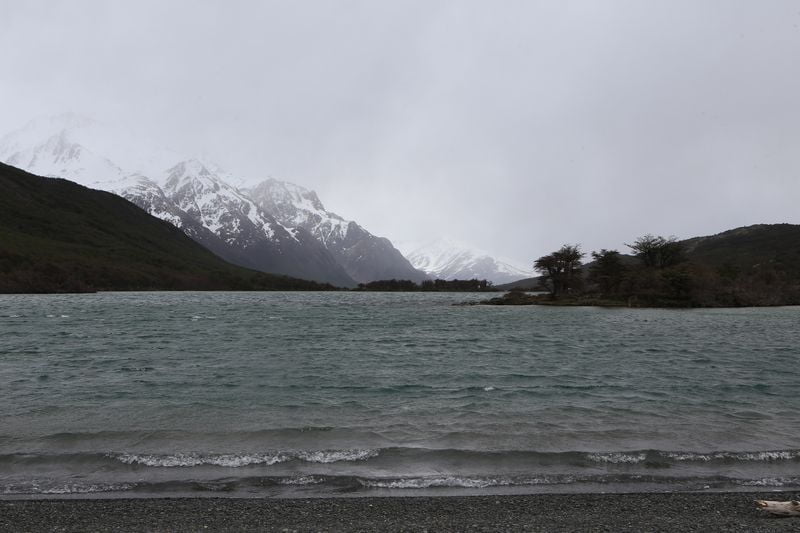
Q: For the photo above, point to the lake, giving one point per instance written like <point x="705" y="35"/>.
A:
<point x="339" y="393"/>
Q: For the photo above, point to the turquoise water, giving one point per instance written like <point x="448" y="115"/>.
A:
<point x="282" y="394"/>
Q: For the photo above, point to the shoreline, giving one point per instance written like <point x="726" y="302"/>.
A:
<point x="679" y="511"/>
<point x="523" y="299"/>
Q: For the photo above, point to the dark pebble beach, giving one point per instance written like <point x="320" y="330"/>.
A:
<point x="703" y="512"/>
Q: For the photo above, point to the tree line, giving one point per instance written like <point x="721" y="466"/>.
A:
<point x="428" y="285"/>
<point x="659" y="272"/>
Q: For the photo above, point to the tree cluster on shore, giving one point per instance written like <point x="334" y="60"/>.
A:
<point x="660" y="273"/>
<point x="438" y="285"/>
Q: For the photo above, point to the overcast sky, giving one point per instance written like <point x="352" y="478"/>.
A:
<point x="516" y="126"/>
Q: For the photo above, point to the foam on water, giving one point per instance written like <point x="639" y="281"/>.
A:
<point x="302" y="480"/>
<point x="333" y="456"/>
<point x="365" y="486"/>
<point x="771" y="455"/>
<point x="229" y="460"/>
<point x="617" y="457"/>
<point x="49" y="487"/>
<point x="430" y="482"/>
<point x="193" y="459"/>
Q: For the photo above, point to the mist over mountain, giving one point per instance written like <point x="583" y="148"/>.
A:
<point x="276" y="226"/>
<point x="448" y="259"/>
<point x="364" y="256"/>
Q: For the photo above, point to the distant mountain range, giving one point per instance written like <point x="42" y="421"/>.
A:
<point x="58" y="236"/>
<point x="273" y="227"/>
<point x="447" y="259"/>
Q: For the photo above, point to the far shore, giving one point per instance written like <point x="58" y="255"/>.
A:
<point x="545" y="299"/>
<point x="692" y="512"/>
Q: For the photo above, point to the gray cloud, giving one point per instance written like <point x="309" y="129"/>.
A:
<point x="514" y="125"/>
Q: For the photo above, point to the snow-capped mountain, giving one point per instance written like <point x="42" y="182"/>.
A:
<point x="82" y="150"/>
<point x="57" y="154"/>
<point x="265" y="243"/>
<point x="149" y="196"/>
<point x="187" y="194"/>
<point x="364" y="256"/>
<point x="447" y="259"/>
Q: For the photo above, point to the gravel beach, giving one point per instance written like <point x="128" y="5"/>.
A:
<point x="541" y="512"/>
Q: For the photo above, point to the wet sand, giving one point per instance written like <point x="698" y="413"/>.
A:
<point x="541" y="512"/>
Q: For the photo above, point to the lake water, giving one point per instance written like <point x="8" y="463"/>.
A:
<point x="308" y="394"/>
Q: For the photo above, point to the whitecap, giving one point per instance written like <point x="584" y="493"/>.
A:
<point x="770" y="482"/>
<point x="461" y="482"/>
<point x="302" y="480"/>
<point x="37" y="487"/>
<point x="194" y="459"/>
<point x="617" y="457"/>
<point x="231" y="460"/>
<point x="335" y="456"/>
<point x="769" y="455"/>
<point x="425" y="483"/>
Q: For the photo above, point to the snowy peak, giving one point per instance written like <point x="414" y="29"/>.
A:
<point x="50" y="148"/>
<point x="285" y="193"/>
<point x="82" y="149"/>
<point x="220" y="207"/>
<point x="260" y="240"/>
<point x="296" y="206"/>
<point x="191" y="177"/>
<point x="289" y="233"/>
<point x="40" y="129"/>
<point x="191" y="168"/>
<point x="448" y="259"/>
<point x="364" y="256"/>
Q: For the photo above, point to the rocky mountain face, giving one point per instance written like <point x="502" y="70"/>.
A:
<point x="256" y="239"/>
<point x="364" y="256"/>
<point x="447" y="259"/>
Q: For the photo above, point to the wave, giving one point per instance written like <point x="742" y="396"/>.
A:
<point x="356" y="485"/>
<point x="618" y="457"/>
<point x="480" y="482"/>
<point x="194" y="459"/>
<point x="769" y="456"/>
<point x="630" y="480"/>
<point x="64" y="488"/>
<point x="230" y="460"/>
<point x="387" y="458"/>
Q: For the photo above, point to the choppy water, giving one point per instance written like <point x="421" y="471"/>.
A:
<point x="281" y="394"/>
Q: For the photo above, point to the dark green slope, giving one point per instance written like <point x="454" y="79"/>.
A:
<point x="57" y="236"/>
<point x="758" y="246"/>
<point x="742" y="251"/>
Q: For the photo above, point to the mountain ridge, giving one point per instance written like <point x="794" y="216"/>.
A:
<point x="364" y="256"/>
<point x="200" y="201"/>
<point x="60" y="236"/>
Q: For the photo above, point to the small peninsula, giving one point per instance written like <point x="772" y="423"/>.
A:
<point x="751" y="266"/>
